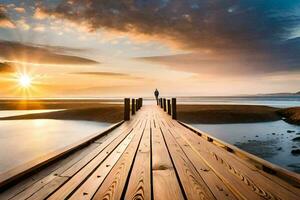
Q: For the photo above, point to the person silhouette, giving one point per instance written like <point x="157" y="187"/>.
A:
<point x="156" y="94"/>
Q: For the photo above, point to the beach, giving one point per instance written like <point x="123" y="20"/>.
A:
<point x="92" y="110"/>
<point x="220" y="114"/>
<point x="89" y="111"/>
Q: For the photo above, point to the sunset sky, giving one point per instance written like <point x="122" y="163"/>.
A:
<point x="101" y="48"/>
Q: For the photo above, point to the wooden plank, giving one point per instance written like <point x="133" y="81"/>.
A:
<point x="243" y="181"/>
<point x="215" y="184"/>
<point x="83" y="162"/>
<point x="36" y="187"/>
<point x="114" y="183"/>
<point x="82" y="175"/>
<point x="90" y="186"/>
<point x="47" y="189"/>
<point x="256" y="162"/>
<point x="218" y="188"/>
<point x="40" y="178"/>
<point x="54" y="179"/>
<point x="165" y="183"/>
<point x="192" y="183"/>
<point x="139" y="186"/>
<point x="70" y="169"/>
<point x="56" y="183"/>
<point x="125" y="128"/>
<point x="184" y="166"/>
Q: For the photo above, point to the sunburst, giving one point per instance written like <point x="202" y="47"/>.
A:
<point x="25" y="80"/>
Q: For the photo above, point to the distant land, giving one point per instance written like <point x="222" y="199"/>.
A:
<point x="283" y="93"/>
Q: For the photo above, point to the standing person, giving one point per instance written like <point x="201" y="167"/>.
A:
<point x="156" y="94"/>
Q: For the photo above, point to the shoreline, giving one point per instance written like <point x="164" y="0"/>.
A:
<point x="224" y="114"/>
<point x="112" y="112"/>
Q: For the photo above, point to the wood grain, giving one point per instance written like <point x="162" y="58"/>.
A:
<point x="215" y="184"/>
<point x="32" y="184"/>
<point x="82" y="175"/>
<point x="192" y="182"/>
<point x="244" y="181"/>
<point x="165" y="183"/>
<point x="154" y="157"/>
<point x="90" y="186"/>
<point x="139" y="186"/>
<point x="113" y="185"/>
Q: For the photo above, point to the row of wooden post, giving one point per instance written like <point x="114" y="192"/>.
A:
<point x="169" y="106"/>
<point x="136" y="104"/>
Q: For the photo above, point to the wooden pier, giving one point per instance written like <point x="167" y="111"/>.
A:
<point x="152" y="156"/>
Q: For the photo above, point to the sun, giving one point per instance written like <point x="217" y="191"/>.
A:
<point x="25" y="81"/>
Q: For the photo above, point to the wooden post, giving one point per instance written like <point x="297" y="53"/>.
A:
<point x="174" y="112"/>
<point x="136" y="105"/>
<point x="169" y="106"/>
<point x="132" y="106"/>
<point x="165" y="105"/>
<point x="140" y="103"/>
<point x="160" y="102"/>
<point x="126" y="109"/>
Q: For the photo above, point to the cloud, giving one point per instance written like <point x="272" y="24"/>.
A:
<point x="20" y="10"/>
<point x="192" y="24"/>
<point x="39" y="14"/>
<point x="6" y="67"/>
<point x="16" y="51"/>
<point x="244" y="31"/>
<point x="5" y="22"/>
<point x="109" y="74"/>
<point x="39" y="28"/>
<point x="281" y="58"/>
<point x="21" y="23"/>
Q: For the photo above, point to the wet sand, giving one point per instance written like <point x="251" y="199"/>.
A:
<point x="292" y="115"/>
<point x="110" y="113"/>
<point x="222" y="114"/>
<point x="95" y="110"/>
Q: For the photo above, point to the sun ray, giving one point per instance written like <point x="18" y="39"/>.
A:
<point x="25" y="80"/>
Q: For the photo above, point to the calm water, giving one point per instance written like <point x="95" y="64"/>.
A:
<point x="9" y="113"/>
<point x="267" y="100"/>
<point x="274" y="101"/>
<point x="269" y="140"/>
<point x="25" y="140"/>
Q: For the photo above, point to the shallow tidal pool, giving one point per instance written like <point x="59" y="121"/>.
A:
<point x="24" y="140"/>
<point x="272" y="141"/>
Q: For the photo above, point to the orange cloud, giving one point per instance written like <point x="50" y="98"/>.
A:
<point x="5" y="22"/>
<point x="20" y="10"/>
<point x="110" y="75"/>
<point x="15" y="51"/>
<point x="6" y="67"/>
<point x="40" y="14"/>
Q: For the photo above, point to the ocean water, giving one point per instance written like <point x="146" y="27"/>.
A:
<point x="26" y="140"/>
<point x="272" y="141"/>
<point x="280" y="101"/>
